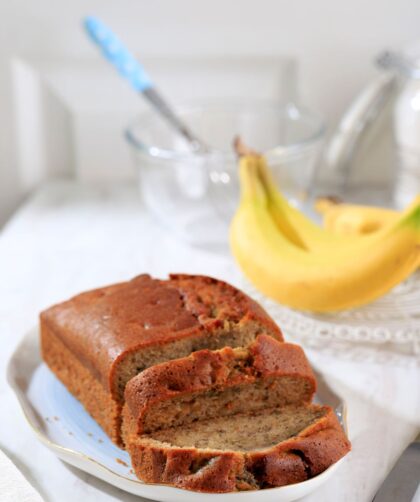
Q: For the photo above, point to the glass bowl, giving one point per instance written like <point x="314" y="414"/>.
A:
<point x="195" y="194"/>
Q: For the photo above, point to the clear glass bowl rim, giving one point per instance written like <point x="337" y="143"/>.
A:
<point x="262" y="106"/>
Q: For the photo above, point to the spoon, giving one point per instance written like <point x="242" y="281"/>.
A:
<point x="126" y="64"/>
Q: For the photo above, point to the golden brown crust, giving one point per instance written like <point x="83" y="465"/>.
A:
<point x="318" y="446"/>
<point x="103" y="326"/>
<point x="291" y="461"/>
<point x="221" y="369"/>
<point x="271" y="357"/>
<point x="202" y="471"/>
<point x="79" y="381"/>
<point x="214" y="301"/>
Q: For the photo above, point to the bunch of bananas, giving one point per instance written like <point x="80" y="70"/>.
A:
<point x="299" y="264"/>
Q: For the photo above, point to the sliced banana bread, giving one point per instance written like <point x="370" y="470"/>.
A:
<point x="230" y="420"/>
<point x="247" y="451"/>
<point x="214" y="384"/>
<point x="97" y="341"/>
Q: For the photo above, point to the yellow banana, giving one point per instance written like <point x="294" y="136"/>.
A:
<point x="353" y="219"/>
<point x="300" y="229"/>
<point x="313" y="280"/>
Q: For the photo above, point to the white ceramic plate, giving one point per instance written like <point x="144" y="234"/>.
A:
<point x="62" y="424"/>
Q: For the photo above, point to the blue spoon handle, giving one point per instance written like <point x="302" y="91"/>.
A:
<point x="126" y="64"/>
<point x="133" y="71"/>
<point x="117" y="54"/>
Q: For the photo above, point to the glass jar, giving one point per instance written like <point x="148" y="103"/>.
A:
<point x="374" y="155"/>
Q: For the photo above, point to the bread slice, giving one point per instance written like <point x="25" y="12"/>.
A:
<point x="215" y="384"/>
<point x="230" y="420"/>
<point x="97" y="341"/>
<point x="267" y="448"/>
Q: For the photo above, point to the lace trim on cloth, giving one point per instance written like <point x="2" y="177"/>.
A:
<point x="392" y="319"/>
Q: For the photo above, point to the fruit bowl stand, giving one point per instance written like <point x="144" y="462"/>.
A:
<point x="392" y="321"/>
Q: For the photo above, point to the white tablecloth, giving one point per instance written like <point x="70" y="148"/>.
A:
<point x="69" y="238"/>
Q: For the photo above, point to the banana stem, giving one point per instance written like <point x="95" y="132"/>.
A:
<point x="251" y="188"/>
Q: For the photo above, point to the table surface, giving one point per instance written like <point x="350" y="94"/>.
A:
<point x="68" y="238"/>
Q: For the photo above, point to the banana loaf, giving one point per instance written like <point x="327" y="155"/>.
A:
<point x="97" y="341"/>
<point x="247" y="451"/>
<point x="230" y="420"/>
<point x="210" y="384"/>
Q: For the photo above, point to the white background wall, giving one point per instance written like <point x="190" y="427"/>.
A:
<point x="333" y="41"/>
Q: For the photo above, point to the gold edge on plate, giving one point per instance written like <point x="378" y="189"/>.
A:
<point x="24" y="405"/>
